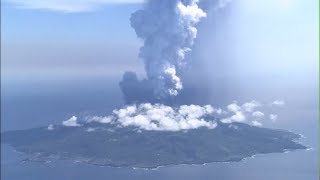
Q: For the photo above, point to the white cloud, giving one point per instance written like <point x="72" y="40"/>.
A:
<point x="258" y="114"/>
<point x="50" y="127"/>
<point x="250" y="106"/>
<point x="278" y="103"/>
<point x="71" y="122"/>
<point x="69" y="6"/>
<point x="246" y="111"/>
<point x="256" y="123"/>
<point x="273" y="117"/>
<point x="161" y="117"/>
<point x="99" y="119"/>
<point x="233" y="107"/>
<point x="219" y="111"/>
<point x="237" y="117"/>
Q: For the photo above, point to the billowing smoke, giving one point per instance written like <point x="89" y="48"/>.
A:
<point x="168" y="30"/>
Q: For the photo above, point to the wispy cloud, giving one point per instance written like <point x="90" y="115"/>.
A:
<point x="278" y="103"/>
<point x="67" y="6"/>
<point x="258" y="114"/>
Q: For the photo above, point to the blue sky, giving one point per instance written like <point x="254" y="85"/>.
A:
<point x="81" y="38"/>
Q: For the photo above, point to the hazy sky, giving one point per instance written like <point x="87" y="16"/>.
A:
<point x="83" y="38"/>
<point x="251" y="49"/>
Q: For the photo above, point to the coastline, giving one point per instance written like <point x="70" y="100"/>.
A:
<point x="153" y="168"/>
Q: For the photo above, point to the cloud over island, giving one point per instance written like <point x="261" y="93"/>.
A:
<point x="159" y="117"/>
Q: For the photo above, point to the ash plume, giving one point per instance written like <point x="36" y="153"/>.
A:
<point x="168" y="30"/>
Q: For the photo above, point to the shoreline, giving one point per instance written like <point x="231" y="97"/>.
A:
<point x="47" y="161"/>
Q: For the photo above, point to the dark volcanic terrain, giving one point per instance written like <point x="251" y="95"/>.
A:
<point x="108" y="145"/>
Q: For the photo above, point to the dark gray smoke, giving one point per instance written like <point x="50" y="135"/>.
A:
<point x="168" y="29"/>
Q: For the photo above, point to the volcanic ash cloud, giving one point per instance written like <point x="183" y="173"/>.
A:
<point x="168" y="30"/>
